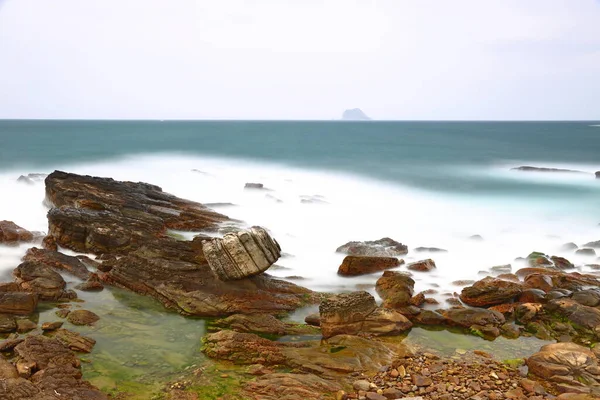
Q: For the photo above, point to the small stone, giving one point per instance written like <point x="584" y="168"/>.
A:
<point x="394" y="373"/>
<point x="25" y="325"/>
<point x="82" y="317"/>
<point x="421" y="381"/>
<point x="375" y="396"/>
<point x="361" y="385"/>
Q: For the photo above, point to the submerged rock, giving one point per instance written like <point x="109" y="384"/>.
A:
<point x="278" y="386"/>
<point x="12" y="233"/>
<point x="361" y="265"/>
<point x="357" y="313"/>
<point x="263" y="324"/>
<point x="384" y="247"/>
<point x="242" y="254"/>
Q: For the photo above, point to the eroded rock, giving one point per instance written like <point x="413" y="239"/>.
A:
<point x="490" y="291"/>
<point x="361" y="265"/>
<point x="12" y="233"/>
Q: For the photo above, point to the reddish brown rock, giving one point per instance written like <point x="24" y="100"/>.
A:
<point x="395" y="288"/>
<point x="18" y="303"/>
<point x="92" y="284"/>
<point x="467" y="317"/>
<point x="384" y="247"/>
<point x="490" y="291"/>
<point x="12" y="233"/>
<point x="74" y="340"/>
<point x="422" y="266"/>
<point x="60" y="262"/>
<point x="361" y="265"/>
<point x="290" y="386"/>
<point x="41" y="280"/>
<point x="82" y="317"/>
<point x="562" y="263"/>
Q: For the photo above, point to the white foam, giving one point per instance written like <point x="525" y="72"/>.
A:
<point x="348" y="208"/>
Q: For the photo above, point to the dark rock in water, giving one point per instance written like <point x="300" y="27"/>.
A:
<point x="422" y="266"/>
<point x="395" y="288"/>
<point x="537" y="259"/>
<point x="93" y="284"/>
<point x="595" y="244"/>
<point x="384" y="247"/>
<point x="52" y="326"/>
<point x="361" y="265"/>
<point x="75" y="341"/>
<point x="18" y="303"/>
<point x="357" y="313"/>
<point x="477" y="238"/>
<point x="131" y="220"/>
<point x="562" y="263"/>
<point x="490" y="291"/>
<point x="597" y="174"/>
<point x="59" y="261"/>
<point x="584" y="318"/>
<point x="25" y="325"/>
<point x="313" y="319"/>
<point x="242" y="254"/>
<point x="259" y="186"/>
<point x="290" y="386"/>
<point x="589" y="297"/>
<point x="82" y="317"/>
<point x="11" y="233"/>
<point x="41" y="280"/>
<point x="532" y="296"/>
<point x="502" y="269"/>
<point x="586" y="252"/>
<point x="430" y="250"/>
<point x="541" y="169"/>
<point x="355" y="114"/>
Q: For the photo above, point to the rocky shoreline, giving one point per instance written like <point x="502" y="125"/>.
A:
<point x="352" y="349"/>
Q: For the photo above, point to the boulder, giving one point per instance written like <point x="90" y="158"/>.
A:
<point x="572" y="366"/>
<point x="361" y="265"/>
<point x="313" y="319"/>
<point x="357" y="313"/>
<point x="595" y="244"/>
<point x="242" y="254"/>
<point x="263" y="324"/>
<point x="12" y="233"/>
<point x="528" y="168"/>
<point x="8" y="323"/>
<point x="395" y="288"/>
<point x="562" y="263"/>
<point x="588" y="297"/>
<point x="569" y="246"/>
<point x="466" y="317"/>
<point x="422" y="266"/>
<point x="384" y="247"/>
<point x="583" y="318"/>
<point x="537" y="259"/>
<point x="39" y="279"/>
<point x="586" y="252"/>
<point x="92" y="284"/>
<point x="254" y="186"/>
<point x="490" y="291"/>
<point x="18" y="303"/>
<point x="429" y="250"/>
<point x="82" y="317"/>
<point x="278" y="386"/>
<point x="60" y="262"/>
<point x="75" y="341"/>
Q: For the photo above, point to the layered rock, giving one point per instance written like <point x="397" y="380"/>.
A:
<point x="384" y="247"/>
<point x="18" y="303"/>
<point x="127" y="223"/>
<point x="362" y="265"/>
<point x="395" y="288"/>
<point x="422" y="266"/>
<point x="357" y="313"/>
<point x="490" y="291"/>
<point x="242" y="254"/>
<point x="76" y="266"/>
<point x="12" y="233"/>
<point x="46" y="283"/>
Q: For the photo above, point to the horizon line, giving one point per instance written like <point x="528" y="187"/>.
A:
<point x="289" y="120"/>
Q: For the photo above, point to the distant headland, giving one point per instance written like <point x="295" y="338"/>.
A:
<point x="355" y="114"/>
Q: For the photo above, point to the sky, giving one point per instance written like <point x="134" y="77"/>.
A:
<point x="301" y="59"/>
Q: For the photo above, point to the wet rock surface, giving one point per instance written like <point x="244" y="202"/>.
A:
<point x="11" y="233"/>
<point x="361" y="265"/>
<point x="385" y="247"/>
<point x="490" y="291"/>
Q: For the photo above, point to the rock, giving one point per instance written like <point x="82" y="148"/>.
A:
<point x="476" y="238"/>
<point x="82" y="317"/>
<point x="18" y="303"/>
<point x="526" y="312"/>
<point x="11" y="343"/>
<point x="541" y="169"/>
<point x="429" y="250"/>
<point x="25" y="325"/>
<point x="242" y="254"/>
<point x="589" y="297"/>
<point x="502" y="269"/>
<point x="7" y="323"/>
<point x="539" y="282"/>
<point x="11" y="233"/>
<point x="92" y="284"/>
<point x="395" y="288"/>
<point x="128" y="223"/>
<point x="254" y="186"/>
<point x="7" y="370"/>
<point x="569" y="247"/>
<point x="263" y="324"/>
<point x="420" y="380"/>
<point x="490" y="291"/>
<point x="355" y="114"/>
<point x="375" y="396"/>
<point x="361" y="265"/>
<point x="39" y="279"/>
<point x="356" y="313"/>
<point x="417" y="300"/>
<point x="532" y="296"/>
<point x="313" y="319"/>
<point x="595" y="244"/>
<point x="60" y="262"/>
<point x="537" y="259"/>
<point x="582" y="317"/>
<point x="51" y="326"/>
<point x="422" y="266"/>
<point x="361" y="384"/>
<point x="429" y="317"/>
<point x="566" y="363"/>
<point x="384" y="247"/>
<point x="562" y="263"/>
<point x="75" y="341"/>
<point x="586" y="252"/>
<point x="466" y="317"/>
<point x="290" y="386"/>
<point x="243" y="348"/>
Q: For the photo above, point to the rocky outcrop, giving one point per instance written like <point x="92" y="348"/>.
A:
<point x="357" y="313"/>
<point x="242" y="254"/>
<point x="11" y="233"/>
<point x="384" y="247"/>
<point x="574" y="368"/>
<point x="395" y="288"/>
<point x="361" y="265"/>
<point x="127" y="223"/>
<point x="490" y="291"/>
<point x="18" y="303"/>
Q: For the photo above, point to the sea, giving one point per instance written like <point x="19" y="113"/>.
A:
<point x="448" y="185"/>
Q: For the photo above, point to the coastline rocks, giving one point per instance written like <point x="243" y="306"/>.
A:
<point x="291" y="386"/>
<point x="18" y="303"/>
<point x="384" y="247"/>
<point x="395" y="288"/>
<point x="583" y="318"/>
<point x="575" y="368"/>
<point x="562" y="263"/>
<point x="41" y="280"/>
<point x="537" y="259"/>
<point x="242" y="254"/>
<point x="8" y="323"/>
<point x="11" y="233"/>
<point x="467" y="317"/>
<point x="357" y="313"/>
<point x="595" y="244"/>
<point x="361" y="265"/>
<point x="75" y="341"/>
<point x="586" y="252"/>
<point x="490" y="291"/>
<point x="61" y="262"/>
<point x="422" y="266"/>
<point x="82" y="317"/>
<point x="263" y="324"/>
<point x="258" y="186"/>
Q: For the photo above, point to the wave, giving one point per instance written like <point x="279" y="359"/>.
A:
<point x="312" y="212"/>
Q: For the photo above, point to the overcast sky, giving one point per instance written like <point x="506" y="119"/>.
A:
<point x="302" y="59"/>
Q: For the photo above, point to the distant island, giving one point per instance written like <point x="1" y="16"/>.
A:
<point x="355" y="114"/>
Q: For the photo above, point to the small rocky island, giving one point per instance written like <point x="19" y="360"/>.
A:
<point x="355" y="114"/>
<point x="352" y="348"/>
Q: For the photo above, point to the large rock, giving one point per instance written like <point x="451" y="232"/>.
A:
<point x="264" y="324"/>
<point x="361" y="265"/>
<point x="467" y="317"/>
<point x="395" y="288"/>
<point x="583" y="318"/>
<point x="241" y="254"/>
<point x="357" y="313"/>
<point x="39" y="279"/>
<point x="18" y="303"/>
<point x="61" y="262"/>
<point x="490" y="291"/>
<point x="384" y="247"/>
<point x="573" y="367"/>
<point x="131" y="221"/>
<point x="13" y="233"/>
